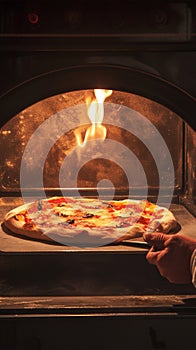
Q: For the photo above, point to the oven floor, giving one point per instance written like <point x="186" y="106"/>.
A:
<point x="10" y="243"/>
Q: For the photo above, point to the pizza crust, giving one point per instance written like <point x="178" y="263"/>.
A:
<point x="16" y="226"/>
<point x="136" y="231"/>
<point x="166" y="224"/>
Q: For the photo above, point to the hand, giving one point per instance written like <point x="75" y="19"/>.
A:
<point x="171" y="254"/>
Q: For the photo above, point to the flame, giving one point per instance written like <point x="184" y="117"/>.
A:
<point x="95" y="109"/>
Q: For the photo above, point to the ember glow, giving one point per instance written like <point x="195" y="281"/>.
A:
<point x="95" y="109"/>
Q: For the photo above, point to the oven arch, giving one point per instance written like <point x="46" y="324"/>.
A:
<point x="98" y="76"/>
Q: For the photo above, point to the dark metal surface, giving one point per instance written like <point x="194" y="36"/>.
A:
<point x="165" y="21"/>
<point x="108" y="323"/>
<point x="107" y="332"/>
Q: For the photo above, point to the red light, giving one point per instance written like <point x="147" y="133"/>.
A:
<point x="33" y="18"/>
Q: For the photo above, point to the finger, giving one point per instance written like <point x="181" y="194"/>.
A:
<point x="152" y="256"/>
<point x="155" y="239"/>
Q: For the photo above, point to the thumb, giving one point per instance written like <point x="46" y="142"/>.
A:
<point x="156" y="239"/>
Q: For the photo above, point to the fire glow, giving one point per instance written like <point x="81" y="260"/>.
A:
<point x="95" y="109"/>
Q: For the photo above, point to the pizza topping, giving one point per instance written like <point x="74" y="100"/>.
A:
<point x="19" y="217"/>
<point x="108" y="205"/>
<point x="88" y="215"/>
<point x="70" y="221"/>
<point x="123" y="224"/>
<point x="62" y="214"/>
<point x="39" y="205"/>
<point x="62" y="204"/>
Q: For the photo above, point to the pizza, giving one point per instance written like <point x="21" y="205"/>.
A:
<point x="88" y="222"/>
